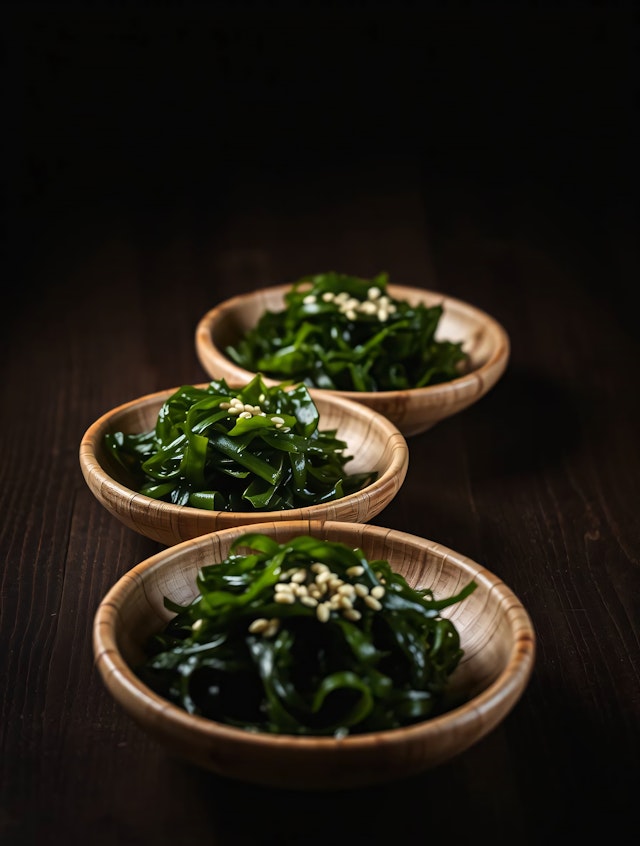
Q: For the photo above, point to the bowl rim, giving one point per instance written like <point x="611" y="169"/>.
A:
<point x="498" y="359"/>
<point x="485" y="709"/>
<point x="392" y="476"/>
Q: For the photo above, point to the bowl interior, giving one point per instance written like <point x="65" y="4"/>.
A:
<point x="364" y="439"/>
<point x="482" y="337"/>
<point x="495" y="630"/>
<point x="413" y="411"/>
<point x="372" y="440"/>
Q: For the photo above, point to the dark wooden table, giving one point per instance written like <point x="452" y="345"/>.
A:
<point x="118" y="247"/>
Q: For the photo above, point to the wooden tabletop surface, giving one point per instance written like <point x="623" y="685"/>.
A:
<point x="130" y="221"/>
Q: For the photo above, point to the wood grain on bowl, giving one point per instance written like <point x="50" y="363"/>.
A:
<point x="495" y="630"/>
<point x="413" y="411"/>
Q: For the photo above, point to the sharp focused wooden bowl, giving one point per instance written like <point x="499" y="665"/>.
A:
<point x="495" y="629"/>
<point x="412" y="411"/>
<point x="373" y="441"/>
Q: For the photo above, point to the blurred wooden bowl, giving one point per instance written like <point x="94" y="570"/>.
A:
<point x="412" y="411"/>
<point x="373" y="441"/>
<point x="495" y="630"/>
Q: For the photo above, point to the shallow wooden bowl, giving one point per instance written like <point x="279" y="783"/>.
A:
<point x="495" y="629"/>
<point x="412" y="411"/>
<point x="373" y="441"/>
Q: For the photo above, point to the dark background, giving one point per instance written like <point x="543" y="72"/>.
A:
<point x="134" y="111"/>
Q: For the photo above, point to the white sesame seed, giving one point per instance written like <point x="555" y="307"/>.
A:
<point x="282" y="587"/>
<point x="318" y="567"/>
<point x="323" y="612"/>
<point x="234" y="410"/>
<point x="272" y="628"/>
<point x="351" y="614"/>
<point x="309" y="299"/>
<point x="350" y="314"/>
<point x="345" y="602"/>
<point x="360" y="589"/>
<point x="299" y="576"/>
<point x="356" y="570"/>
<point x="346" y="589"/>
<point x="328" y="296"/>
<point x="373" y="293"/>
<point x="277" y="420"/>
<point x="197" y="625"/>
<point x="261" y="398"/>
<point x="372" y="602"/>
<point x="247" y="415"/>
<point x="225" y="405"/>
<point x="323" y="577"/>
<point x="378" y="591"/>
<point x="309" y="601"/>
<point x="259" y="625"/>
<point x="285" y="598"/>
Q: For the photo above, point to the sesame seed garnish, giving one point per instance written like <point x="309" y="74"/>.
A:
<point x="272" y="628"/>
<point x="377" y="304"/>
<point x="323" y="612"/>
<point x="352" y="614"/>
<point x="318" y="587"/>
<point x="285" y="598"/>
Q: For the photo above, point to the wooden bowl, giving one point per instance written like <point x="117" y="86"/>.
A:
<point x="495" y="629"/>
<point x="412" y="411"/>
<point x="373" y="441"/>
